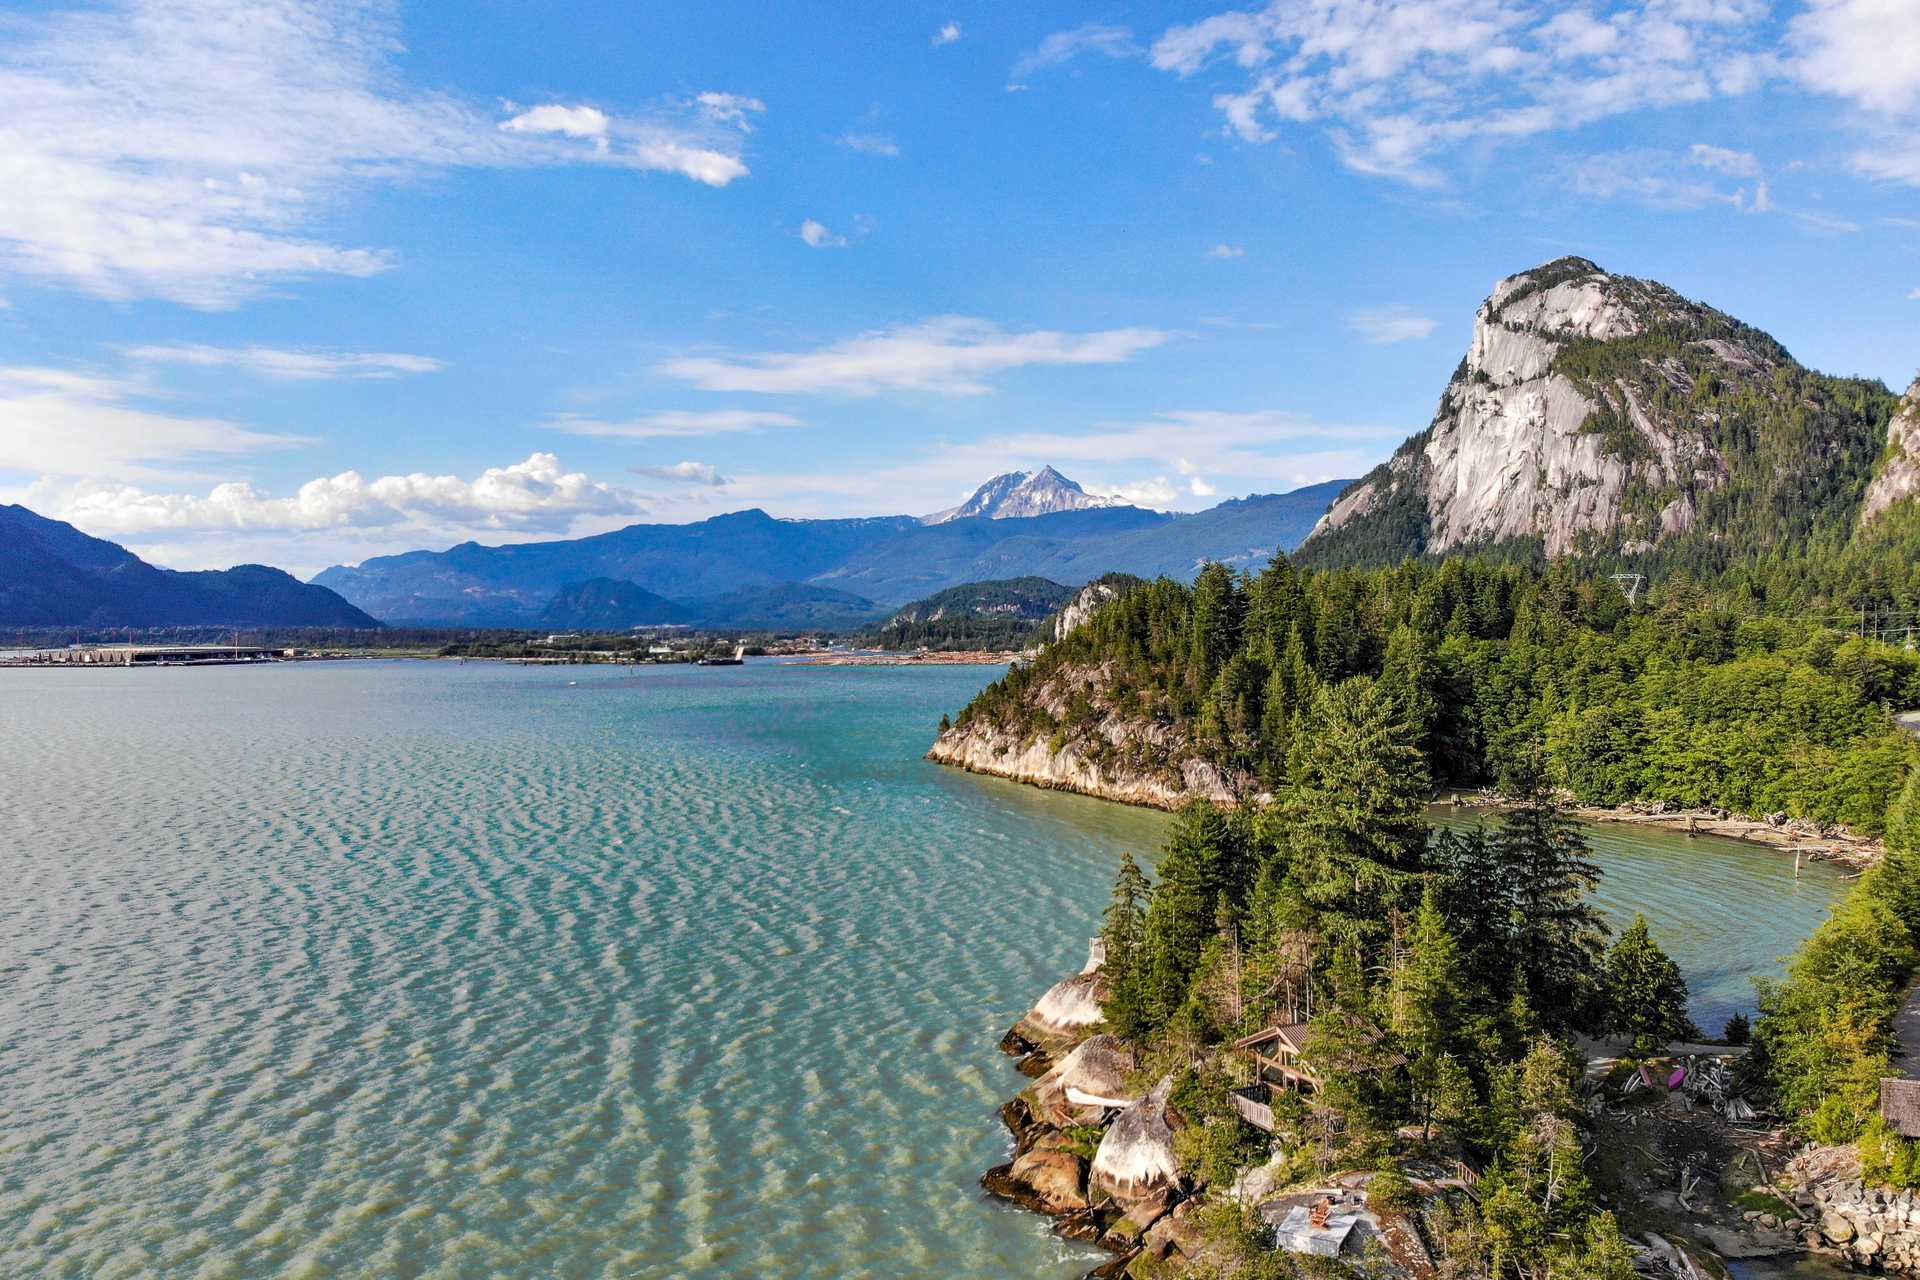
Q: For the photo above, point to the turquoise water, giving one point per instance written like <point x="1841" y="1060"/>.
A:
<point x="1723" y="909"/>
<point x="422" y="969"/>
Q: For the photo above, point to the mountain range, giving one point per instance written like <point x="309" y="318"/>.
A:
<point x="53" y="575"/>
<point x="1602" y="414"/>
<point x="875" y="563"/>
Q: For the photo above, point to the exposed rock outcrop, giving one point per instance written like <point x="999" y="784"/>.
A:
<point x="1114" y="756"/>
<point x="1899" y="474"/>
<point x="1590" y="413"/>
<point x="1135" y="1158"/>
<point x="1071" y="1007"/>
<point x="1100" y="591"/>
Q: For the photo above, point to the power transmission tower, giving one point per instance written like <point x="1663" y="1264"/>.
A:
<point x="1630" y="583"/>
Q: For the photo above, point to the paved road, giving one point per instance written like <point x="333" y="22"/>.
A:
<point x="1910" y="721"/>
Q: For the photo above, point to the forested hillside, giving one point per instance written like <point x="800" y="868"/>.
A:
<point x="1691" y="696"/>
<point x="976" y="615"/>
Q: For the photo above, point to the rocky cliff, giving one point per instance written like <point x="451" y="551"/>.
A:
<point x="1899" y="473"/>
<point x="1111" y="754"/>
<point x="1597" y="413"/>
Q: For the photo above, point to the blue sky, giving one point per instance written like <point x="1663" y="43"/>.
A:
<point x="304" y="283"/>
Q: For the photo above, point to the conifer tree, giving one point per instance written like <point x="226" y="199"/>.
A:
<point x="1349" y="1053"/>
<point x="1646" y="998"/>
<point x="1424" y="1001"/>
<point x="1355" y="816"/>
<point x="1124" y="934"/>
<point x="1205" y="858"/>
<point x="1543" y="877"/>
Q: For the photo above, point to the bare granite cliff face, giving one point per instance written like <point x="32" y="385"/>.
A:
<point x="1108" y="755"/>
<point x="1572" y="418"/>
<point x="1899" y="475"/>
<point x="1096" y="593"/>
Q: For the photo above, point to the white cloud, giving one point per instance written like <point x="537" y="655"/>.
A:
<point x="818" y="236"/>
<point x="952" y="355"/>
<point x="684" y="473"/>
<point x="535" y="495"/>
<point x="273" y="362"/>
<point x="1395" y="87"/>
<point x="872" y="144"/>
<point x="1064" y="46"/>
<point x="1913" y="295"/>
<point x="1226" y="251"/>
<point x="1153" y="492"/>
<point x="1199" y="488"/>
<point x="63" y="423"/>
<point x="1382" y="325"/>
<point x="1867" y="51"/>
<point x="1657" y="179"/>
<point x="674" y="423"/>
<point x="734" y="109"/>
<point x="1824" y="222"/>
<point x="1737" y="164"/>
<point x="573" y="122"/>
<point x="194" y="150"/>
<point x="946" y="34"/>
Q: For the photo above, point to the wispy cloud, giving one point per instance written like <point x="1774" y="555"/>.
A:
<point x="818" y="236"/>
<point x="1065" y="46"/>
<point x="950" y="355"/>
<point x="1396" y="87"/>
<point x="1226" y="251"/>
<point x="1913" y="295"/>
<point x="192" y="149"/>
<point x="61" y="422"/>
<point x="1383" y="325"/>
<point x="868" y="143"/>
<point x="704" y="473"/>
<point x="947" y="34"/>
<point x="274" y="362"/>
<point x="673" y="423"/>
<point x="1736" y="164"/>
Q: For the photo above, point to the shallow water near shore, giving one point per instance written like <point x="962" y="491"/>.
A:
<point x="425" y="969"/>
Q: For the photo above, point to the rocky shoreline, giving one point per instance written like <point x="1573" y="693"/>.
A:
<point x="1038" y="762"/>
<point x="1093" y="1150"/>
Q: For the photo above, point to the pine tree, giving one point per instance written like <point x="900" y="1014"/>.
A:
<point x="1409" y="673"/>
<point x="1123" y="934"/>
<point x="1350" y="1055"/>
<point x="1425" y="999"/>
<point x="1355" y="814"/>
<point x="1558" y="938"/>
<point x="1646" y="998"/>
<point x="1206" y="857"/>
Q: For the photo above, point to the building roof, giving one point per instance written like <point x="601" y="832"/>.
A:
<point x="1294" y="1034"/>
<point x="1900" y="1105"/>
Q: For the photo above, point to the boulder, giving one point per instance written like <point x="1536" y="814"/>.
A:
<point x="1140" y="1215"/>
<point x="1836" y="1227"/>
<point x="1057" y="1179"/>
<point x="1179" y="1230"/>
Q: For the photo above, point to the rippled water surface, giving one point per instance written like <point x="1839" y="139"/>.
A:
<point x="419" y="969"/>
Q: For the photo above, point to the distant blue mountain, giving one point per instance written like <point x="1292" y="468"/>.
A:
<point x="53" y="575"/>
<point x="880" y="562"/>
